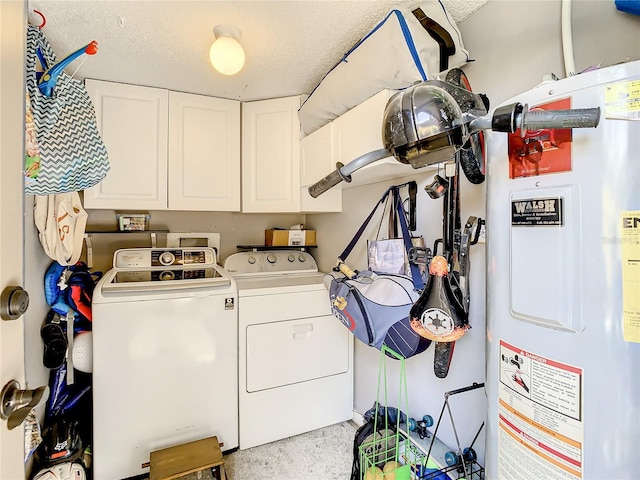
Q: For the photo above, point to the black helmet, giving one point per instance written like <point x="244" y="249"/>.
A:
<point x="61" y="442"/>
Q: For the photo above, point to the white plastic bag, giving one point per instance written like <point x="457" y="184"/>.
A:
<point x="61" y="221"/>
<point x="386" y="256"/>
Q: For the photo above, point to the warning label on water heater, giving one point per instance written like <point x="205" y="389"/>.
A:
<point x="540" y="421"/>
<point x="630" y="226"/>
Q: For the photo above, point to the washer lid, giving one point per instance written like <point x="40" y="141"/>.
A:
<point x="165" y="278"/>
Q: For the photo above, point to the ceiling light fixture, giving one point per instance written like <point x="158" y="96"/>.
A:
<point x="226" y="54"/>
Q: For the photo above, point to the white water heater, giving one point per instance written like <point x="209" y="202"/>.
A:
<point x="563" y="282"/>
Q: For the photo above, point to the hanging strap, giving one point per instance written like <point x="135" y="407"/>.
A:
<point x="343" y="256"/>
<point x="418" y="284"/>
<point x="393" y="220"/>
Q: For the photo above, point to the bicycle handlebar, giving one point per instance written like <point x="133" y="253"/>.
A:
<point x="343" y="172"/>
<point x="512" y="117"/>
<point x="573" y="118"/>
<point x="507" y="118"/>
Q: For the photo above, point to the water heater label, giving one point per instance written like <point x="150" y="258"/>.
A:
<point x="622" y="100"/>
<point x="535" y="212"/>
<point x="540" y="417"/>
<point x="630" y="233"/>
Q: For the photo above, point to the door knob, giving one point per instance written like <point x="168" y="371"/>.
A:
<point x="16" y="403"/>
<point x="14" y="302"/>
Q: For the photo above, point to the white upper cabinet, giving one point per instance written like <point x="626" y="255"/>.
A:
<point x="132" y="121"/>
<point x="271" y="155"/>
<point x="316" y="161"/>
<point x="167" y="150"/>
<point x="204" y="153"/>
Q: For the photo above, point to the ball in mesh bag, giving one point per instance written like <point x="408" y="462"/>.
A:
<point x="379" y="447"/>
<point x="373" y="473"/>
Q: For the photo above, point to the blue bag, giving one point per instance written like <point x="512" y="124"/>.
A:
<point x="375" y="306"/>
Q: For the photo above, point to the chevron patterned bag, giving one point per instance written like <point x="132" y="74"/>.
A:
<point x="64" y="151"/>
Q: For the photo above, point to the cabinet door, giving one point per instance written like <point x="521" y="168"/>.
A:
<point x="316" y="161"/>
<point x="204" y="153"/>
<point x="359" y="131"/>
<point x="133" y="123"/>
<point x="271" y="155"/>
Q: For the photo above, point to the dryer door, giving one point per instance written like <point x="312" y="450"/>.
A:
<point x="292" y="345"/>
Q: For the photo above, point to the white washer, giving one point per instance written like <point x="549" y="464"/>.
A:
<point x="164" y="357"/>
<point x="295" y="357"/>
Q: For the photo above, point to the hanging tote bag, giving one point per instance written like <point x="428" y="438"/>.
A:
<point x="61" y="221"/>
<point x="389" y="255"/>
<point x="64" y="151"/>
<point x="375" y="306"/>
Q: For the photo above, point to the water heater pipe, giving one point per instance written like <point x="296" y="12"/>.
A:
<point x="567" y="39"/>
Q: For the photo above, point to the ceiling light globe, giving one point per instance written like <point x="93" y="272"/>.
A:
<point x="226" y="55"/>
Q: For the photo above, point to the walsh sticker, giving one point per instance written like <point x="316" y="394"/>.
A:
<point x="537" y="212"/>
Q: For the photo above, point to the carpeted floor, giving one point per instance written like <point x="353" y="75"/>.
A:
<point x="324" y="454"/>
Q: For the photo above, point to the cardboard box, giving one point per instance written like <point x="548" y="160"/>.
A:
<point x="289" y="238"/>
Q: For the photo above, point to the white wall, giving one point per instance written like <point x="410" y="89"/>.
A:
<point x="514" y="43"/>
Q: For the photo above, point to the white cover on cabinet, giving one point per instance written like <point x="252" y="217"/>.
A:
<point x="395" y="54"/>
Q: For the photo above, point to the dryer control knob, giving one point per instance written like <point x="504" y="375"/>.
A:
<point x="271" y="258"/>
<point x="291" y="258"/>
<point x="167" y="275"/>
<point x="251" y="260"/>
<point x="302" y="258"/>
<point x="167" y="258"/>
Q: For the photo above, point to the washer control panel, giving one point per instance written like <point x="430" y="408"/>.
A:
<point x="270" y="262"/>
<point x="163" y="257"/>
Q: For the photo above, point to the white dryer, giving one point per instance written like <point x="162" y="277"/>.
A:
<point x="295" y="357"/>
<point x="164" y="357"/>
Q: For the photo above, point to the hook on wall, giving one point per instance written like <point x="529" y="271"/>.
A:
<point x="44" y="19"/>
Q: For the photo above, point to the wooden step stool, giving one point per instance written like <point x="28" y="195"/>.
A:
<point x="192" y="457"/>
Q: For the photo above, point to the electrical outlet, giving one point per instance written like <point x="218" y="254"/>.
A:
<point x="482" y="238"/>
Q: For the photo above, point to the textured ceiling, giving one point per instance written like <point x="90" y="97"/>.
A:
<point x="290" y="45"/>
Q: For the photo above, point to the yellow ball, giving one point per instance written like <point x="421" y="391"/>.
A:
<point x="373" y="473"/>
<point x="389" y="470"/>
